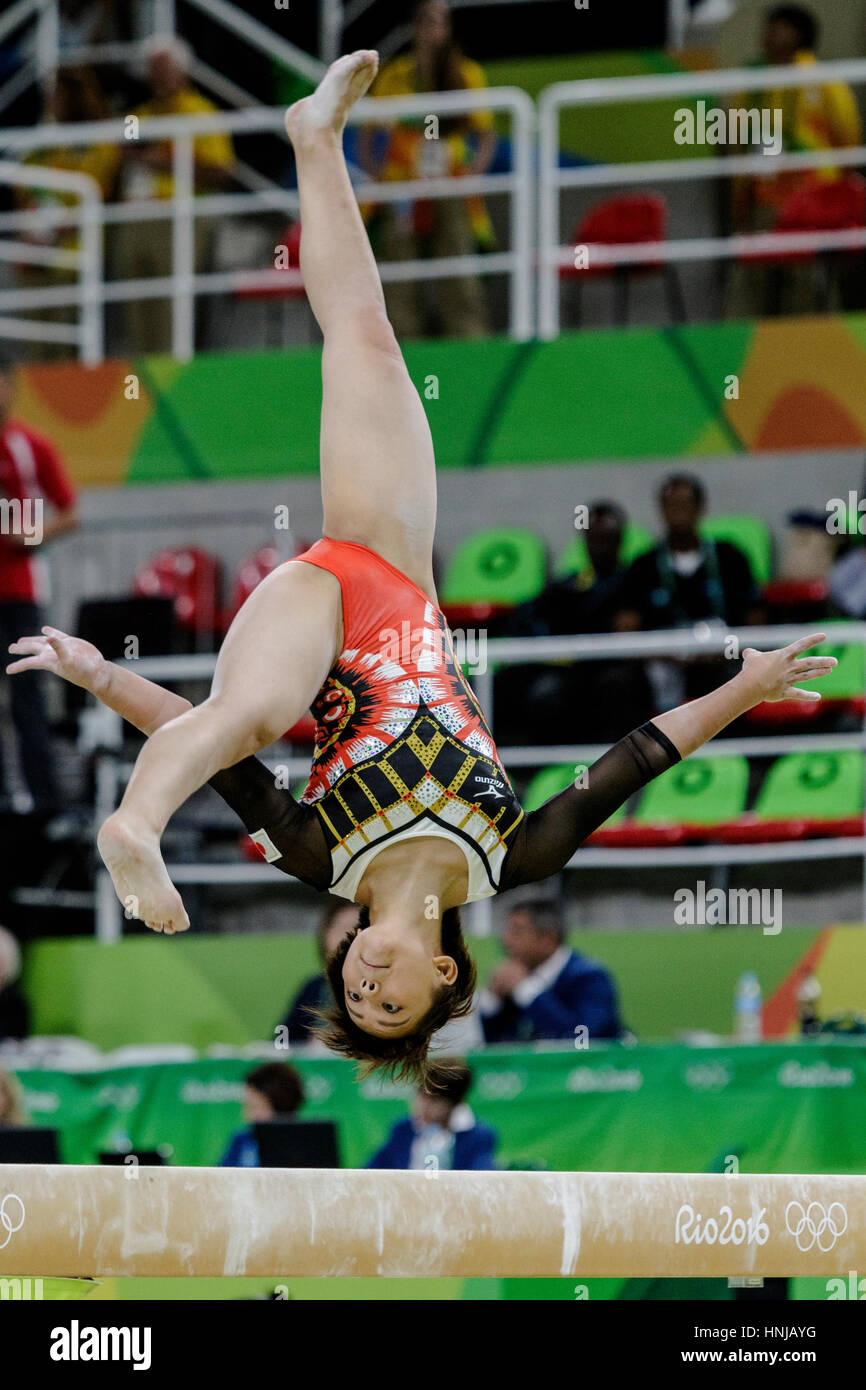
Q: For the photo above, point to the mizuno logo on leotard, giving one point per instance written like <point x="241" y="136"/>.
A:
<point x="491" y="789"/>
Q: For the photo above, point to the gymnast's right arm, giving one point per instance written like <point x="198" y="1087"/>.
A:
<point x="545" y="840"/>
<point x="248" y="787"/>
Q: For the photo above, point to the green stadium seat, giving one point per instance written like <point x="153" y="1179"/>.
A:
<point x="547" y="782"/>
<point x="698" y="794"/>
<point x="493" y="572"/>
<point x="636" y="540"/>
<point x="750" y="533"/>
<point x="843" y="691"/>
<point x="804" y="795"/>
<point x="689" y="802"/>
<point x="550" y="781"/>
<point x="846" y="683"/>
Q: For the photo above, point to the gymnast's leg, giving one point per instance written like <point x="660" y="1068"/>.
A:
<point x="378" y="489"/>
<point x="377" y="465"/>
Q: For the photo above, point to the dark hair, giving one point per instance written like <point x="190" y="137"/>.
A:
<point x="280" y="1083"/>
<point x="83" y="92"/>
<point x="544" y="915"/>
<point x="447" y="70"/>
<point x="404" y="1058"/>
<point x="799" y="18"/>
<point x="699" y="492"/>
<point x="454" y="1087"/>
<point x="333" y="907"/>
<point x="611" y="509"/>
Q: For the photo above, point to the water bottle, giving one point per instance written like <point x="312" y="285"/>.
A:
<point x="747" y="1008"/>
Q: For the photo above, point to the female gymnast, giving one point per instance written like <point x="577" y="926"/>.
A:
<point x="408" y="811"/>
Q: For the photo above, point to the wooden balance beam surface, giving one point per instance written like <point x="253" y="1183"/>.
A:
<point x="104" y="1221"/>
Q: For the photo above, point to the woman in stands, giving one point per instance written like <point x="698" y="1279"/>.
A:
<point x="408" y="811"/>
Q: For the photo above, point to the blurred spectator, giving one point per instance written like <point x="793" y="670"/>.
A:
<point x="809" y="549"/>
<point x="74" y="95"/>
<point x="338" y="920"/>
<point x="461" y="145"/>
<point x="31" y="474"/>
<point x="848" y="582"/>
<point x="589" y="599"/>
<point x="687" y="578"/>
<point x="11" y="1105"/>
<point x="85" y="22"/>
<point x="272" y="1091"/>
<point x="144" y="249"/>
<point x="14" y="1012"/>
<point x="544" y="989"/>
<point x="603" y="699"/>
<point x="813" y="118"/>
<point x="441" y="1132"/>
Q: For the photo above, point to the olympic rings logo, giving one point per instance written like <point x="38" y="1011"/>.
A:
<point x="7" y="1223"/>
<point x="815" y="1226"/>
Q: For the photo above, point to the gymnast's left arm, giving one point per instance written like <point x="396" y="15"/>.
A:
<point x="140" y="702"/>
<point x="547" y="838"/>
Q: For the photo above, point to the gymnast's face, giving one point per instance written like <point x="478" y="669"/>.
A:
<point x="390" y="977"/>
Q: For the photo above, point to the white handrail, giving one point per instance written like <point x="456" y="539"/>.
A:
<point x="185" y="285"/>
<point x="20" y="11"/>
<point x="604" y="91"/>
<point x="260" y="36"/>
<point x="601" y="91"/>
<point x="87" y="295"/>
<point x="49" y="55"/>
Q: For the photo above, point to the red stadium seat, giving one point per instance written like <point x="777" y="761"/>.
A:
<point x="291" y="240"/>
<point x="626" y="220"/>
<point x="254" y="569"/>
<point x="276" y="296"/>
<point x="818" y="206"/>
<point x="192" y="579"/>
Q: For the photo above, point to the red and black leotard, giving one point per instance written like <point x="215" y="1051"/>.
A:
<point x="402" y="751"/>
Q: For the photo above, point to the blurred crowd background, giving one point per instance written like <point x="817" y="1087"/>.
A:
<point x="685" y="456"/>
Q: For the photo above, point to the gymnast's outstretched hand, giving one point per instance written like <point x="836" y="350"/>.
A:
<point x="777" y="674"/>
<point x="131" y="852"/>
<point x="71" y="658"/>
<point x="764" y="676"/>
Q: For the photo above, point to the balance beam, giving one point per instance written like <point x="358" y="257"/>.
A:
<point x="277" y="1223"/>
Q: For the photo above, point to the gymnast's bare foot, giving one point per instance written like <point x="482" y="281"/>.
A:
<point x="326" y="110"/>
<point x="139" y="876"/>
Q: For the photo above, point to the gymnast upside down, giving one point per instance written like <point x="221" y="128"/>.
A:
<point x="408" y="811"/>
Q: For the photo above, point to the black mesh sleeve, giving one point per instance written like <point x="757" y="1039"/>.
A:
<point x="546" y="839"/>
<point x="249" y="788"/>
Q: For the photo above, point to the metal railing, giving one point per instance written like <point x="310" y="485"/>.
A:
<point x="553" y="180"/>
<point x="184" y="285"/>
<point x="521" y="262"/>
<point x="87" y="215"/>
<point x="113" y="770"/>
<point x="46" y="54"/>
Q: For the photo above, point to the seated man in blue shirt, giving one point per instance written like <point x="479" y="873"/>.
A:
<point x="441" y="1132"/>
<point x="272" y="1091"/>
<point x="544" y="989"/>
